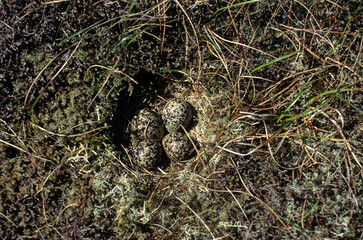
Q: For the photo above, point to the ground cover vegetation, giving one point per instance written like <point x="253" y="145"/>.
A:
<point x="276" y="88"/>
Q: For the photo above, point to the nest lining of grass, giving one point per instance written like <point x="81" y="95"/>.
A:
<point x="277" y="92"/>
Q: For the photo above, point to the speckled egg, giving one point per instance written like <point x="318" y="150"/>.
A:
<point x="177" y="146"/>
<point x="176" y="113"/>
<point x="148" y="153"/>
<point x="147" y="124"/>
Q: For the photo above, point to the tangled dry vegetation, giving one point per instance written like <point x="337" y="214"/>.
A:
<point x="277" y="91"/>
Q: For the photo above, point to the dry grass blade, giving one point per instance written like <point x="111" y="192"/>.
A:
<point x="196" y="40"/>
<point x="199" y="218"/>
<point x="69" y="135"/>
<point x="259" y="200"/>
<point x="238" y="43"/>
<point x="346" y="143"/>
<point x="54" y="76"/>
<point x="275" y="89"/>
<point x="25" y="151"/>
<point x="8" y="219"/>
<point x="55" y="1"/>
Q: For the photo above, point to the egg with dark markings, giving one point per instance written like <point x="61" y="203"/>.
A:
<point x="177" y="146"/>
<point x="175" y="114"/>
<point x="148" y="153"/>
<point x="147" y="124"/>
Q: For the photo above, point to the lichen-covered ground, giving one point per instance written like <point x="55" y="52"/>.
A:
<point x="276" y="88"/>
